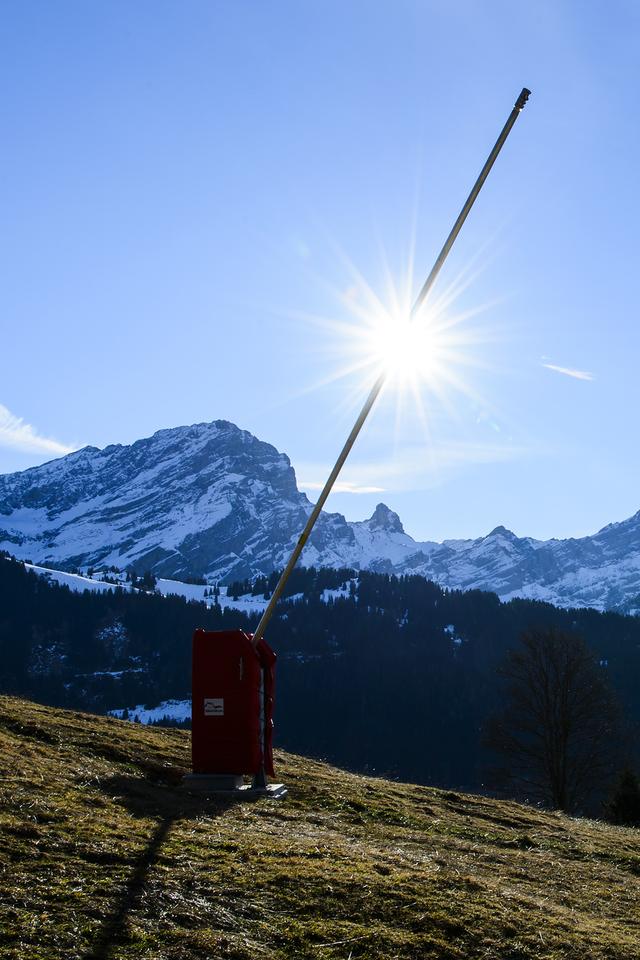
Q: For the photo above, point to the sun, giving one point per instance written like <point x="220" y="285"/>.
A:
<point x="425" y="355"/>
<point x="405" y="349"/>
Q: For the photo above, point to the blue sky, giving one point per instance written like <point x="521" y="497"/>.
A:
<point x="183" y="185"/>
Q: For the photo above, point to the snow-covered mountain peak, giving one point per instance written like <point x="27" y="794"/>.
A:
<point x="170" y="502"/>
<point x="503" y="532"/>
<point x="385" y="519"/>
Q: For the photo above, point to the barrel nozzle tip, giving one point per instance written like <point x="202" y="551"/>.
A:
<point x="522" y="99"/>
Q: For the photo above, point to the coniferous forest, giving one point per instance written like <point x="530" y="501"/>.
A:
<point x="393" y="676"/>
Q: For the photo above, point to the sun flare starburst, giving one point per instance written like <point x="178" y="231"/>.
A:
<point x="425" y="354"/>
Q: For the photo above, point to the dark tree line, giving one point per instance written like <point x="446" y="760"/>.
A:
<point x="395" y="676"/>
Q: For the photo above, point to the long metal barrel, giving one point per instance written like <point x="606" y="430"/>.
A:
<point x="377" y="387"/>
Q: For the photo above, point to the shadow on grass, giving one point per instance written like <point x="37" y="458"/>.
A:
<point x="168" y="806"/>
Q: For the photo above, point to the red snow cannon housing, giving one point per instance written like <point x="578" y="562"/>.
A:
<point x="232" y="703"/>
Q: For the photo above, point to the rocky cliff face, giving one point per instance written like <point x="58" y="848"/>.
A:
<point x="211" y="499"/>
<point x="205" y="498"/>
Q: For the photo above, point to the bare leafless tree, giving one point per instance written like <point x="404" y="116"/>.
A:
<point x="558" y="732"/>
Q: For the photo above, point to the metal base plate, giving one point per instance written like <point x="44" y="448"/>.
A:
<point x="229" y="785"/>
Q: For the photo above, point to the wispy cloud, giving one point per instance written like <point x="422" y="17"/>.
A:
<point x="341" y="486"/>
<point x="413" y="467"/>
<point x="570" y="372"/>
<point x="18" y="435"/>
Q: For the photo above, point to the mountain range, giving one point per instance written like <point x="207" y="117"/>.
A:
<point x="212" y="500"/>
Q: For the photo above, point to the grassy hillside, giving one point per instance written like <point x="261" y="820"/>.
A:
<point x="104" y="855"/>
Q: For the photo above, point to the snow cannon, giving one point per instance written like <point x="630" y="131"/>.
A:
<point x="232" y="670"/>
<point x="232" y="715"/>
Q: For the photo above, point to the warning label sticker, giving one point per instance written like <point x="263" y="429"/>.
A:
<point x="214" y="707"/>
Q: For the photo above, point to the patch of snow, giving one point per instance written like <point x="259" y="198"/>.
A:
<point x="75" y="581"/>
<point x="342" y="593"/>
<point x="111" y="673"/>
<point x="247" y="603"/>
<point x="175" y="588"/>
<point x="178" y="710"/>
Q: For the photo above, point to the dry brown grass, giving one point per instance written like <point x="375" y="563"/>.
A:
<point x="104" y="856"/>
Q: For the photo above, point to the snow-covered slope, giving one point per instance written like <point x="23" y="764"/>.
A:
<point x="206" y="498"/>
<point x="213" y="500"/>
<point x="77" y="583"/>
